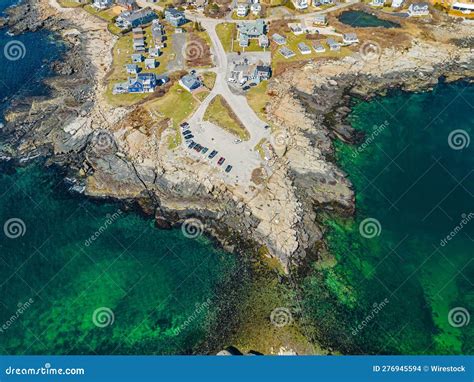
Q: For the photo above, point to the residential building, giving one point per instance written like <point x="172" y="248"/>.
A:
<point x="250" y="30"/>
<point x="154" y="52"/>
<point x="318" y="47"/>
<point x="263" y="41"/>
<point x="174" y="17"/>
<point x="102" y="4"/>
<point x="397" y="3"/>
<point x="296" y="29"/>
<point x="278" y="39"/>
<point x="303" y="48"/>
<point x="263" y="72"/>
<point x="256" y="8"/>
<point x="301" y="4"/>
<point x="150" y="63"/>
<point x="139" y="44"/>
<point x="132" y="68"/>
<point x="133" y="19"/>
<point x="136" y="58"/>
<point x="333" y="45"/>
<point x="190" y="82"/>
<point x="349" y="38"/>
<point x="418" y="9"/>
<point x="142" y="83"/>
<point x="320" y="20"/>
<point x="377" y="3"/>
<point x="464" y="6"/>
<point x="242" y="10"/>
<point x="130" y="5"/>
<point x="287" y="53"/>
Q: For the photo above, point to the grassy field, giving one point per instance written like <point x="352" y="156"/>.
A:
<point x="122" y="52"/>
<point x="220" y="114"/>
<point x="69" y="4"/>
<point x="257" y="98"/>
<point x="177" y="105"/>
<point x="106" y="14"/>
<point x="209" y="79"/>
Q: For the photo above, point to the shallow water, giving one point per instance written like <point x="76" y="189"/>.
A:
<point x="407" y="177"/>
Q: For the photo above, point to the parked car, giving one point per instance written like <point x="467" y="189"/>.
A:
<point x="238" y="141"/>
<point x="191" y="144"/>
<point x="266" y="127"/>
<point x="186" y="132"/>
<point x="213" y="154"/>
<point x="204" y="150"/>
<point x="184" y="125"/>
<point x="220" y="161"/>
<point x="189" y="136"/>
<point x="198" y="148"/>
<point x="228" y="168"/>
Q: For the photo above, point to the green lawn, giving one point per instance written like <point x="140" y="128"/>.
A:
<point x="69" y="4"/>
<point x="177" y="105"/>
<point x="220" y="114"/>
<point x="257" y="98"/>
<point x="209" y="79"/>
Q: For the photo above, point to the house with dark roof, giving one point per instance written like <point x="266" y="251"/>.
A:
<point x="130" y="5"/>
<point x="133" y="19"/>
<point x="142" y="83"/>
<point x="174" y="17"/>
<point x="190" y="82"/>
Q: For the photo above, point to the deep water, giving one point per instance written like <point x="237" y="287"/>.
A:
<point x="361" y="19"/>
<point x="405" y="290"/>
<point x="154" y="291"/>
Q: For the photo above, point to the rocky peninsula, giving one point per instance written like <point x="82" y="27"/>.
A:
<point x="122" y="153"/>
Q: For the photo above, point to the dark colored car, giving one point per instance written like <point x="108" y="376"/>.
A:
<point x="192" y="144"/>
<point x="220" y="161"/>
<point x="189" y="136"/>
<point x="204" y="150"/>
<point x="184" y="125"/>
<point x="246" y="87"/>
<point x="186" y="132"/>
<point x="198" y="148"/>
<point x="228" y="168"/>
<point x="213" y="154"/>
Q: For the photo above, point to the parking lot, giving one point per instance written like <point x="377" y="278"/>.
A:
<point x="240" y="155"/>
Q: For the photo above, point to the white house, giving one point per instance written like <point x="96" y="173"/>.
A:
<point x="242" y="10"/>
<point x="102" y="4"/>
<point x="303" y="48"/>
<point x="255" y="8"/>
<point x="418" y="9"/>
<point x="350" y="38"/>
<point x="301" y="4"/>
<point x="397" y="3"/>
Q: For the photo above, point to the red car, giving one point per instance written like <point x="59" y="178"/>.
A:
<point x="220" y="161"/>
